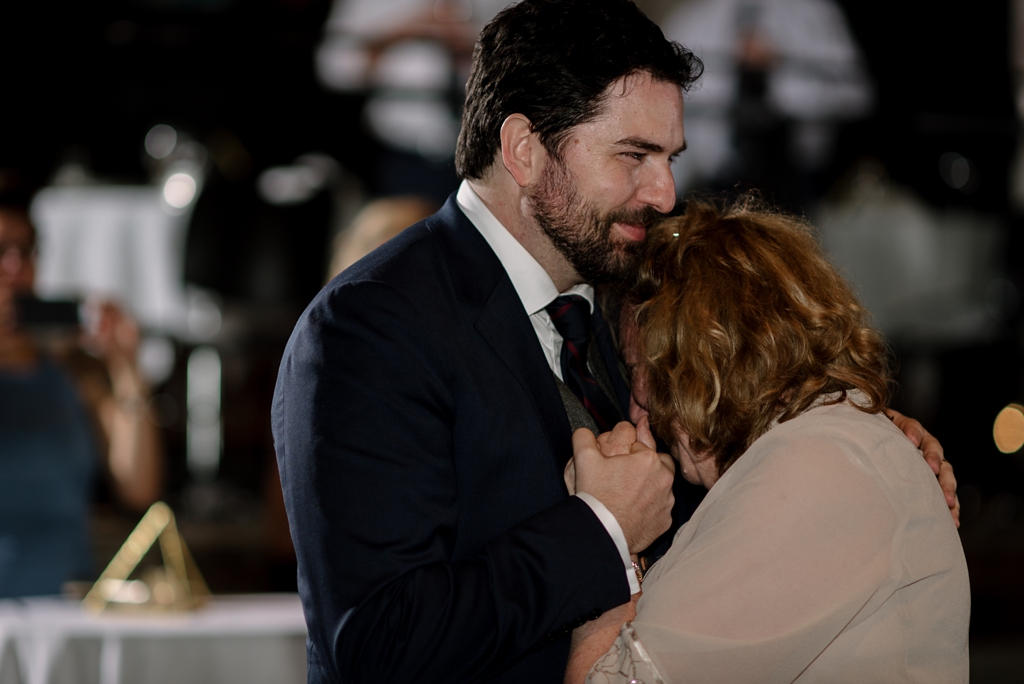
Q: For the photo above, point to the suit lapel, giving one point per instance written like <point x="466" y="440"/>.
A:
<point x="503" y="323"/>
<point x="480" y="281"/>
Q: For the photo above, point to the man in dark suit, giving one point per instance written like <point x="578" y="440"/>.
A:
<point x="421" y="419"/>
<point x="427" y="398"/>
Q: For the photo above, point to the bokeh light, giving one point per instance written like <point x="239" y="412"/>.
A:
<point x="1008" y="431"/>
<point x="160" y="141"/>
<point x="179" y="190"/>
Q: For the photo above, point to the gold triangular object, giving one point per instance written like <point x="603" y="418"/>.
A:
<point x="174" y="587"/>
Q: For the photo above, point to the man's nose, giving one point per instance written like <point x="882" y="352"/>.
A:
<point x="659" y="189"/>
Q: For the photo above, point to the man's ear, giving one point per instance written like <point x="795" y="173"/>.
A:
<point x="521" y="150"/>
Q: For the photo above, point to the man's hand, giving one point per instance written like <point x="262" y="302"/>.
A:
<point x="933" y="454"/>
<point x="629" y="477"/>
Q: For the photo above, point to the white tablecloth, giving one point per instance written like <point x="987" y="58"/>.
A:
<point x="243" y="639"/>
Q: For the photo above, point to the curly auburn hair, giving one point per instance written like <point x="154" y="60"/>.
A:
<point x="742" y="321"/>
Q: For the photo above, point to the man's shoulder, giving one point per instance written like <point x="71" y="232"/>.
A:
<point x="445" y="239"/>
<point x="401" y="277"/>
<point x="412" y="263"/>
<point x="396" y="260"/>
<point x="441" y="258"/>
<point x="395" y="295"/>
<point x="418" y="275"/>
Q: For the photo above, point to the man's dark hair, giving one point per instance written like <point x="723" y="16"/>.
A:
<point x="552" y="61"/>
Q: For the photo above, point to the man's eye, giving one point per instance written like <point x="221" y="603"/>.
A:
<point x="638" y="156"/>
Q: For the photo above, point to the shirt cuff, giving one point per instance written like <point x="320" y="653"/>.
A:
<point x="615" y="532"/>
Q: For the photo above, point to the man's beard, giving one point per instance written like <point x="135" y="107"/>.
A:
<point x="581" y="233"/>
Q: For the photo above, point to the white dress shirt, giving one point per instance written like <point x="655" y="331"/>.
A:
<point x="537" y="290"/>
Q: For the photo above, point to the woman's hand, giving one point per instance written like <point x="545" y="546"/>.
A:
<point x="112" y="337"/>
<point x="591" y="640"/>
<point x="134" y="452"/>
<point x="933" y="454"/>
<point x="616" y="442"/>
<point x="619" y="441"/>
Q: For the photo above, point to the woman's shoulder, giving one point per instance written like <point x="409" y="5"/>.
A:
<point x="839" y="441"/>
<point x="834" y="424"/>
<point x="828" y="461"/>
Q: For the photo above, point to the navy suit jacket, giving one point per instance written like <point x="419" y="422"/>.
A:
<point x="421" y="440"/>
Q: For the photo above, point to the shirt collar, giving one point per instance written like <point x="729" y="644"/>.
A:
<point x="531" y="281"/>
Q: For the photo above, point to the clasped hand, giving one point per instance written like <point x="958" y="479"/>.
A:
<point x="623" y="470"/>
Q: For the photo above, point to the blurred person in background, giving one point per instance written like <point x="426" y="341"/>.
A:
<point x="410" y="58"/>
<point x="60" y="406"/>
<point x="780" y="76"/>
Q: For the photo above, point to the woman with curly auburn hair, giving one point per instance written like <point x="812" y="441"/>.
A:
<point x="824" y="549"/>
<point x="742" y="322"/>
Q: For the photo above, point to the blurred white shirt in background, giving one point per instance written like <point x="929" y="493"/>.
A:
<point x="816" y="76"/>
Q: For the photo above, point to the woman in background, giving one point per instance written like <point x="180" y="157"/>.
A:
<point x="55" y="418"/>
<point x="824" y="549"/>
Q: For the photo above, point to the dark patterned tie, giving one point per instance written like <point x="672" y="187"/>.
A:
<point x="571" y="316"/>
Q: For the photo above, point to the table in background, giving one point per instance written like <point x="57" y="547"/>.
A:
<point x="243" y="639"/>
